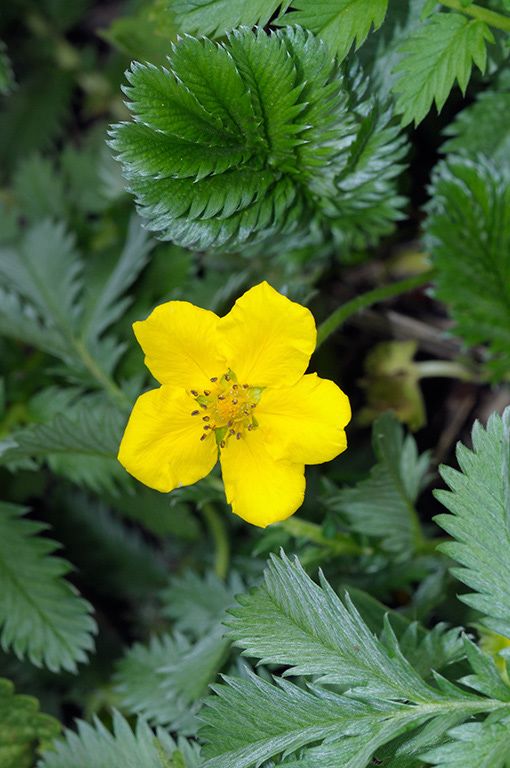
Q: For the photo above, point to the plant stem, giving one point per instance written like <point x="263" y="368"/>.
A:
<point x="100" y="376"/>
<point x="429" y="369"/>
<point x="339" y="544"/>
<point x="221" y="541"/>
<point x="340" y="315"/>
<point x="482" y="14"/>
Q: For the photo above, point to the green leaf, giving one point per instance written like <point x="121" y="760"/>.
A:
<point x="41" y="614"/>
<point x="441" y="51"/>
<point x="80" y="443"/>
<point x="474" y="745"/>
<point x="196" y="603"/>
<point x="255" y="137"/>
<point x="292" y="621"/>
<point x="468" y="236"/>
<point x="7" y="82"/>
<point x="383" y="506"/>
<point x="95" y="747"/>
<point x="23" y="729"/>
<point x="140" y="683"/>
<point x="215" y="17"/>
<point x="479" y="522"/>
<point x="483" y="127"/>
<point x="339" y="23"/>
<point x="40" y="189"/>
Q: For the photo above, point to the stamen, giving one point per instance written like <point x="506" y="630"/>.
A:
<point x="194" y="393"/>
<point x="207" y="392"/>
<point x="235" y="386"/>
<point x="234" y="402"/>
<point x="232" y="432"/>
<point x="195" y="413"/>
<point x="214" y="378"/>
<point x="203" y="405"/>
<point x="249" y="427"/>
<point x="203" y="437"/>
<point x="227" y="377"/>
<point x="207" y="426"/>
<point x="205" y="418"/>
<point x="221" y="397"/>
<point x="245" y="386"/>
<point x="238" y="436"/>
<point x="222" y="444"/>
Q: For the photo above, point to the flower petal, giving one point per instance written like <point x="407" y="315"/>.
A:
<point x="266" y="338"/>
<point x="304" y="423"/>
<point x="161" y="446"/>
<point x="260" y="489"/>
<point x="180" y="345"/>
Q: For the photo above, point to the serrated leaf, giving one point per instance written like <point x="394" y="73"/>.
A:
<point x="23" y="729"/>
<point x="441" y="51"/>
<point x="339" y="23"/>
<point x="214" y="17"/>
<point x="41" y="614"/>
<point x="80" y="443"/>
<point x="95" y="747"/>
<point x="196" y="603"/>
<point x="468" y="237"/>
<point x="256" y="136"/>
<point x="290" y="620"/>
<point x="40" y="189"/>
<point x="482" y="127"/>
<point x="383" y="506"/>
<point x="474" y="745"/>
<point x="478" y="522"/>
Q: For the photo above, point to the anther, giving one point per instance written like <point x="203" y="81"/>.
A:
<point x="214" y="378"/>
<point x="232" y="432"/>
<point x="249" y="427"/>
<point x="194" y="413"/>
<point x="252" y="405"/>
<point x="234" y="402"/>
<point x="203" y="405"/>
<point x="205" y="418"/>
<point x="221" y="397"/>
<point x="222" y="444"/>
<point x="194" y="393"/>
<point x="207" y="392"/>
<point x="238" y="436"/>
<point x="230" y="423"/>
<point x="234" y="386"/>
<point x="203" y="437"/>
<point x="227" y="377"/>
<point x="206" y="426"/>
<point x="245" y="386"/>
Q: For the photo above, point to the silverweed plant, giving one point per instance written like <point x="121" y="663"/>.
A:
<point x="283" y="538"/>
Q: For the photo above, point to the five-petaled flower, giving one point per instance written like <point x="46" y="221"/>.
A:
<point x="234" y="385"/>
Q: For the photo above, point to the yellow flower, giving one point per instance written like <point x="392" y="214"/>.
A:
<point x="234" y="385"/>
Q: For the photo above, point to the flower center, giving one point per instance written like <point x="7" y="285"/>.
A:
<point x="227" y="409"/>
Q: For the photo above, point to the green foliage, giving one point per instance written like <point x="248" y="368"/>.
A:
<point x="479" y="504"/>
<point x="206" y="17"/>
<point x="338" y="22"/>
<point x="6" y="73"/>
<point x="468" y="235"/>
<point x="95" y="747"/>
<point x="41" y="614"/>
<point x="441" y="51"/>
<point x="475" y="745"/>
<point x="291" y="621"/>
<point x="255" y="137"/>
<point x="483" y="127"/>
<point x="23" y="729"/>
<point x="383" y="506"/>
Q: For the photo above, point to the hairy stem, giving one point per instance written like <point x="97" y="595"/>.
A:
<point x="221" y="541"/>
<point x="340" y="315"/>
<point x="481" y="14"/>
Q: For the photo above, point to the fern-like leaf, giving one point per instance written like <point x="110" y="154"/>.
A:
<point x="441" y="51"/>
<point x="95" y="747"/>
<point x="468" y="235"/>
<point x="256" y="136"/>
<point x="215" y="17"/>
<point x="479" y="503"/>
<point x="383" y="506"/>
<point x="41" y="614"/>
<point x="339" y="23"/>
<point x="22" y="728"/>
<point x="474" y="745"/>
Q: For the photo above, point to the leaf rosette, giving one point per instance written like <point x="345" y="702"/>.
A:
<point x="258" y="136"/>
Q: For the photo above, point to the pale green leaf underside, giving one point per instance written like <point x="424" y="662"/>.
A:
<point x="478" y="522"/>
<point x="41" y="615"/>
<point x="441" y="51"/>
<point x="474" y="745"/>
<point x="94" y="746"/>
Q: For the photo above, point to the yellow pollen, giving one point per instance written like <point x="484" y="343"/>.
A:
<point x="229" y="408"/>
